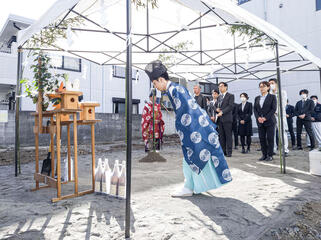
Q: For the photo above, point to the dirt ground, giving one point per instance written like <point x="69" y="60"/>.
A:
<point x="260" y="202"/>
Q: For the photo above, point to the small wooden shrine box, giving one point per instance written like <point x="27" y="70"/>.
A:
<point x="88" y="110"/>
<point x="69" y="99"/>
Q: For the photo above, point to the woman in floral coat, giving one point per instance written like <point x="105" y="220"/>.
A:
<point x="147" y="123"/>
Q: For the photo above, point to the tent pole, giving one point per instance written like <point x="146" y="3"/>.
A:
<point x="147" y="25"/>
<point x="201" y="42"/>
<point x="17" y="140"/>
<point x="320" y="78"/>
<point x="128" y="117"/>
<point x="281" y="129"/>
<point x="235" y="70"/>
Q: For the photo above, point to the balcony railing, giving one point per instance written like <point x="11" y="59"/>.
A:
<point x="7" y="50"/>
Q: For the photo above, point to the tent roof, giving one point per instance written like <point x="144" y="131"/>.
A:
<point x="202" y="27"/>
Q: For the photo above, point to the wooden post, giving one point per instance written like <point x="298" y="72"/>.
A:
<point x="75" y="153"/>
<point x="93" y="154"/>
<point x="36" y="130"/>
<point x="52" y="142"/>
<point x="69" y="153"/>
<point x="58" y="156"/>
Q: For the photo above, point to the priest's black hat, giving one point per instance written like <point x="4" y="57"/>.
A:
<point x="155" y="69"/>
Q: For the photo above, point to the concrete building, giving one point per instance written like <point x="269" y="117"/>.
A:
<point x="8" y="59"/>
<point x="103" y="84"/>
<point x="301" y="20"/>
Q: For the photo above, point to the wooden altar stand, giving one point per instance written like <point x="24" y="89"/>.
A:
<point x="59" y="118"/>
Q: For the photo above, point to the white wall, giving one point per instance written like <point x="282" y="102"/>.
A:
<point x="300" y="20"/>
<point x="8" y="69"/>
<point x="115" y="87"/>
<point x="96" y="83"/>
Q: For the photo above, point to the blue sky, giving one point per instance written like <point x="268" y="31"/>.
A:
<point x="26" y="8"/>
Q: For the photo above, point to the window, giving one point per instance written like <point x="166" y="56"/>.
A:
<point x="120" y="72"/>
<point x="66" y="63"/>
<point x="318" y="5"/>
<point x="206" y="88"/>
<point x="119" y="105"/>
<point x="242" y="1"/>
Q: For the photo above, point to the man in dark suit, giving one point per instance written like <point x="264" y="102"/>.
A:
<point x="234" y="126"/>
<point x="200" y="99"/>
<point x="316" y="120"/>
<point x="289" y="118"/>
<point x="224" y="115"/>
<point x="303" y="110"/>
<point x="264" y="111"/>
<point x="211" y="108"/>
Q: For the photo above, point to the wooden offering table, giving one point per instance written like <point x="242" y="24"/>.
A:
<point x="57" y="120"/>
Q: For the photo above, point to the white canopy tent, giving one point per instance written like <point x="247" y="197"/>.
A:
<point x="114" y="34"/>
<point x="202" y="25"/>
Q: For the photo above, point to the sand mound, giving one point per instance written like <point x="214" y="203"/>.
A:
<point x="153" y="157"/>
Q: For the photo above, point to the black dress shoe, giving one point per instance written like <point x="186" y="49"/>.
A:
<point x="274" y="153"/>
<point x="248" y="150"/>
<point x="243" y="150"/>
<point x="263" y="158"/>
<point x="269" y="158"/>
<point x="286" y="154"/>
<point x="299" y="148"/>
<point x="259" y="149"/>
<point x="311" y="148"/>
<point x="229" y="155"/>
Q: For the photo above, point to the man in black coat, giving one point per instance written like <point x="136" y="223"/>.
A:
<point x="289" y="118"/>
<point x="264" y="111"/>
<point x="316" y="120"/>
<point x="303" y="110"/>
<point x="211" y="108"/>
<point x="200" y="99"/>
<point x="224" y="115"/>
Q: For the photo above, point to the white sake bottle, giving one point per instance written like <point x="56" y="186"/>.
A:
<point x="98" y="176"/>
<point x="122" y="181"/>
<point x="114" y="179"/>
<point x="106" y="177"/>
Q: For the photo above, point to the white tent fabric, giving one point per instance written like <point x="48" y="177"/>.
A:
<point x="200" y="25"/>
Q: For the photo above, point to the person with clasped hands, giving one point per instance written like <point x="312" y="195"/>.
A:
<point x="244" y="114"/>
<point x="264" y="110"/>
<point x="303" y="110"/>
<point x="224" y="116"/>
<point x="211" y="109"/>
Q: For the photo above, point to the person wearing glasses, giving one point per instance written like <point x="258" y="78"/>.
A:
<point x="224" y="116"/>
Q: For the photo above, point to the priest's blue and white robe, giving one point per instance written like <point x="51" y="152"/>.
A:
<point x="204" y="164"/>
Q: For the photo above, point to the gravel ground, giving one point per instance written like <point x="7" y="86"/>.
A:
<point x="260" y="202"/>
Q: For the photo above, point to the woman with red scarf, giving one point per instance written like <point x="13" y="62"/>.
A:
<point x="148" y="117"/>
